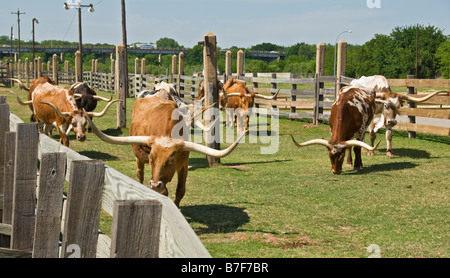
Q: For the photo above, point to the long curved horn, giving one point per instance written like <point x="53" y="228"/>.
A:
<point x="21" y="85"/>
<point x="416" y="99"/>
<point x="126" y="140"/>
<point x="322" y="142"/>
<point x="18" y="98"/>
<point x="267" y="97"/>
<point x="59" y="113"/>
<point x="97" y="97"/>
<point x="357" y="143"/>
<point x="194" y="147"/>
<point x="344" y="83"/>
<point x="75" y="85"/>
<point x="101" y="114"/>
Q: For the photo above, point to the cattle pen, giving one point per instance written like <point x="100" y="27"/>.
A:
<point x="299" y="98"/>
<point x="146" y="224"/>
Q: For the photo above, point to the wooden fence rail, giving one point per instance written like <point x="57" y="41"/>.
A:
<point x="145" y="223"/>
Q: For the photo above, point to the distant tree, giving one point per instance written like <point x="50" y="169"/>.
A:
<point x="443" y="57"/>
<point x="394" y="55"/>
<point x="267" y="47"/>
<point x="195" y="55"/>
<point x="430" y="37"/>
<point x="167" y="43"/>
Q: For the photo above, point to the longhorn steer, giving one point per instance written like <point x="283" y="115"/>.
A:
<point x="388" y="104"/>
<point x="86" y="98"/>
<point x="55" y="105"/>
<point x="158" y="139"/>
<point x="351" y="114"/>
<point x="237" y="96"/>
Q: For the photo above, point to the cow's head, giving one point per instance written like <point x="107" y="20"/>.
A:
<point x="77" y="118"/>
<point x="336" y="152"/>
<point x="85" y="97"/>
<point x="389" y="111"/>
<point x="392" y="102"/>
<point x="166" y="154"/>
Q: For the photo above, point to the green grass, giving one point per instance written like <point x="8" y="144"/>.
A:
<point x="289" y="204"/>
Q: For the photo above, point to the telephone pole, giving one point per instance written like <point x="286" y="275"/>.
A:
<point x="18" y="26"/>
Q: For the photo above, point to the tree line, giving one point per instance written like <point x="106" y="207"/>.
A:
<point x="392" y="55"/>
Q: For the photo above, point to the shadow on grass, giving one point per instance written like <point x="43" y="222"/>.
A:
<point x="198" y="163"/>
<point x="384" y="167"/>
<point x="99" y="155"/>
<point x="411" y="153"/>
<point x="216" y="218"/>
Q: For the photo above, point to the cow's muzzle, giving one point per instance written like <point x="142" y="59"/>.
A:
<point x="81" y="137"/>
<point x="392" y="123"/>
<point x="159" y="187"/>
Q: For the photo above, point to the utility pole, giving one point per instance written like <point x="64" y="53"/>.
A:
<point x="124" y="41"/>
<point x="33" y="21"/>
<point x="18" y="25"/>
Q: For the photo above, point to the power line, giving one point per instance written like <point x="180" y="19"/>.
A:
<point x="70" y="25"/>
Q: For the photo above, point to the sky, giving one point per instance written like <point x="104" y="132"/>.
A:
<point x="241" y="23"/>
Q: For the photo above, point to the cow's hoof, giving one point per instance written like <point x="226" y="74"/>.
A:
<point x="370" y="153"/>
<point x="390" y="154"/>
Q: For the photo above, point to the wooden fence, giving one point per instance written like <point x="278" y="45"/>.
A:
<point x="299" y="97"/>
<point x="145" y="223"/>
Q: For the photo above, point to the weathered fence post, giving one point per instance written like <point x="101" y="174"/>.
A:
<point x="78" y="67"/>
<point x="142" y="73"/>
<point x="66" y="72"/>
<point x="174" y="68"/>
<point x="320" y="70"/>
<point x="27" y="72"/>
<point x="228" y="68"/>
<point x="25" y="180"/>
<point x="84" y="196"/>
<point x="293" y="98"/>
<point x="135" y="229"/>
<point x="8" y="176"/>
<point x="411" y="119"/>
<point x="4" y="127"/>
<point x="113" y="78"/>
<point x="341" y="64"/>
<point x="19" y="69"/>
<point x="55" y="68"/>
<point x="211" y="92"/>
<point x="121" y="85"/>
<point x="240" y="64"/>
<point x="49" y="205"/>
<point x="39" y="67"/>
<point x="180" y="73"/>
<point x="136" y="76"/>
